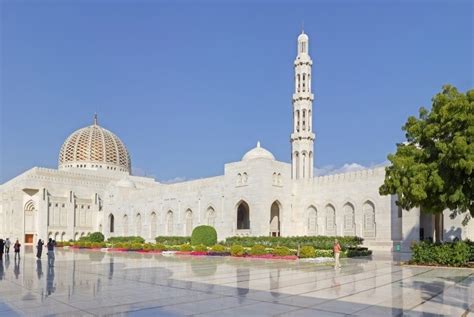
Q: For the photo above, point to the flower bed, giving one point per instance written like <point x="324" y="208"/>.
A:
<point x="272" y="257"/>
<point x="117" y="249"/>
<point x="199" y="253"/>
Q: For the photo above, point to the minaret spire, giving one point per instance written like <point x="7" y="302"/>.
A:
<point x="302" y="138"/>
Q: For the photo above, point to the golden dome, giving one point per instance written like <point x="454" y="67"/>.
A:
<point x="94" y="148"/>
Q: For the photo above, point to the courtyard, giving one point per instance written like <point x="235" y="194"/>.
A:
<point x="96" y="283"/>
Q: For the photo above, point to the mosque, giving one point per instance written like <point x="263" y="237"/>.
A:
<point x="93" y="190"/>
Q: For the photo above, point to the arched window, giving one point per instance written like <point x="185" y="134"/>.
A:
<point x="243" y="216"/>
<point x="239" y="179"/>
<point x="297" y="121"/>
<point x="303" y="156"/>
<point x="138" y="224"/>
<point x="312" y="221"/>
<point x="153" y="225"/>
<point x="275" y="219"/>
<point x="349" y="227"/>
<point x="189" y="222"/>
<point x="30" y="219"/>
<point x="297" y="165"/>
<point x="245" y="178"/>
<point x="298" y="80"/>
<point x="304" y="120"/>
<point x="111" y="223"/>
<point x="304" y="82"/>
<point x="125" y="225"/>
<point x="211" y="217"/>
<point x="169" y="223"/>
<point x="330" y="220"/>
<point x="369" y="219"/>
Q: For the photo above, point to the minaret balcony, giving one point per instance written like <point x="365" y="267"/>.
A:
<point x="303" y="96"/>
<point x="303" y="135"/>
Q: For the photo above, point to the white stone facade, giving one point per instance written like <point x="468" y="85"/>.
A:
<point x="259" y="196"/>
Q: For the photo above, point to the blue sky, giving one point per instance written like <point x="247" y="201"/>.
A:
<point x="190" y="86"/>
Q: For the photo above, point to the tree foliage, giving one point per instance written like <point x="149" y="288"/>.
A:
<point x="433" y="169"/>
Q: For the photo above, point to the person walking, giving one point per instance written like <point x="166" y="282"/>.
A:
<point x="51" y="244"/>
<point x="2" y="245"/>
<point x="8" y="243"/>
<point x="39" y="249"/>
<point x="337" y="250"/>
<point x="16" y="248"/>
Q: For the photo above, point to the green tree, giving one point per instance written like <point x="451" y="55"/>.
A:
<point x="433" y="169"/>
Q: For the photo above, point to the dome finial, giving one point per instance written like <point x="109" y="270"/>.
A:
<point x="302" y="27"/>
<point x="95" y="118"/>
<point x="258" y="143"/>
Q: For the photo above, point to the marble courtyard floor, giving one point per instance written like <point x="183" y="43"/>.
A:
<point x="93" y="283"/>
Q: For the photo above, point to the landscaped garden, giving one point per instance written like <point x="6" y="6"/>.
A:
<point x="203" y="242"/>
<point x="458" y="254"/>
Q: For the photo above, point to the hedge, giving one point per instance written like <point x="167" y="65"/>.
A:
<point x="93" y="237"/>
<point x="172" y="240"/>
<point x="317" y="242"/>
<point x="130" y="239"/>
<point x="206" y="235"/>
<point x="448" y="253"/>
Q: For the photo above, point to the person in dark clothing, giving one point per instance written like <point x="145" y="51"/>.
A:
<point x="16" y="247"/>
<point x="51" y="244"/>
<point x="2" y="245"/>
<point x="39" y="248"/>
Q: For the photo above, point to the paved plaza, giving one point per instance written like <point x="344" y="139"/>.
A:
<point x="93" y="283"/>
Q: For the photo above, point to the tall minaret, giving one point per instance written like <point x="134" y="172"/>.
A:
<point x="302" y="138"/>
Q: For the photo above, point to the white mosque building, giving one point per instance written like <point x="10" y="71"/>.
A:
<point x="93" y="190"/>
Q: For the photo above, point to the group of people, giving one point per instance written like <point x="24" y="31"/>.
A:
<point x="6" y="244"/>
<point x="5" y="248"/>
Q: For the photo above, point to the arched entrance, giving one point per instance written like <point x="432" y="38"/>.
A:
<point x="111" y="223"/>
<point x="275" y="220"/>
<point x="30" y="221"/>
<point x="243" y="216"/>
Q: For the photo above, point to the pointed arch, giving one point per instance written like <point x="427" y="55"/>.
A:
<point x="125" y="225"/>
<point x="369" y="227"/>
<point x="330" y="220"/>
<point x="111" y="223"/>
<point x="153" y="224"/>
<point x="189" y="222"/>
<point x="312" y="228"/>
<point x="211" y="216"/>
<point x="138" y="224"/>
<point x="29" y="206"/>
<point x="275" y="219"/>
<point x="169" y="223"/>
<point x="243" y="215"/>
<point x="349" y="219"/>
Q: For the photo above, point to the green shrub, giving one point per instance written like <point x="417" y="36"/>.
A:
<point x="97" y="245"/>
<point x="172" y="240"/>
<point x="218" y="248"/>
<point x="159" y="247"/>
<point x="317" y="242"/>
<point x="324" y="254"/>
<point x="200" y="248"/>
<point x="148" y="247"/>
<point x="130" y="239"/>
<point x="258" y="250"/>
<point x="353" y="252"/>
<point x="206" y="235"/>
<point x="237" y="250"/>
<point x="185" y="247"/>
<point x="96" y="237"/>
<point x="449" y="254"/>
<point x="86" y="244"/>
<point x="307" y="252"/>
<point x="135" y="246"/>
<point x="281" y="251"/>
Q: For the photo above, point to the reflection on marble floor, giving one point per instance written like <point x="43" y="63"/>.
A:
<point x="95" y="283"/>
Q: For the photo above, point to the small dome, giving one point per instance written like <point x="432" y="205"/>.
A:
<point x="126" y="182"/>
<point x="303" y="37"/>
<point x="258" y="153"/>
<point x="94" y="148"/>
